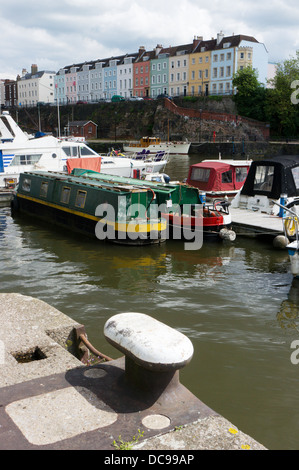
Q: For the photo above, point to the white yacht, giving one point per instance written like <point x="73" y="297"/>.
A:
<point x="20" y="152"/>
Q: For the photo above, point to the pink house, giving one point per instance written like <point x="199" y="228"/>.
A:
<point x="141" y="74"/>
<point x="71" y="85"/>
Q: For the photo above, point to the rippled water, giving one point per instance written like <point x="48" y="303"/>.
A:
<point x="236" y="302"/>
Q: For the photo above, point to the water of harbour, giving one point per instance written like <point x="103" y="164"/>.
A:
<point x="237" y="302"/>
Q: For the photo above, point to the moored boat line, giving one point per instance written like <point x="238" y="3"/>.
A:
<point x="179" y="204"/>
<point x="20" y="152"/>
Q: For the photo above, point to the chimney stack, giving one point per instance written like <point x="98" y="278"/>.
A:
<point x="220" y="36"/>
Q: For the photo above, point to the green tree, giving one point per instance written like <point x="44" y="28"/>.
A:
<point x="251" y="94"/>
<point x="281" y="105"/>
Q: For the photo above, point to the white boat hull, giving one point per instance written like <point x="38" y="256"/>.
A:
<point x="174" y="148"/>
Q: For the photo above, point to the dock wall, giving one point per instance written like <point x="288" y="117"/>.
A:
<point x="83" y="407"/>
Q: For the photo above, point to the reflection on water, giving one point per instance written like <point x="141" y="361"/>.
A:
<point x="236" y="302"/>
<point x="288" y="315"/>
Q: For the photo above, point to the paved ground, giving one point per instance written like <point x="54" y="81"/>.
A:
<point x="50" y="400"/>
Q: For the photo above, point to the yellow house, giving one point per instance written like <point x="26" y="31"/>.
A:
<point x="200" y="66"/>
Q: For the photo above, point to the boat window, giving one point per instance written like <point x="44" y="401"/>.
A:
<point x="71" y="151"/>
<point x="200" y="174"/>
<point x="25" y="160"/>
<point x="67" y="151"/>
<point x="80" y="199"/>
<point x="241" y="173"/>
<point x="227" y="176"/>
<point x="263" y="178"/>
<point x="86" y="151"/>
<point x="65" y="195"/>
<point x="26" y="185"/>
<point x="44" y="189"/>
<point x="295" y="173"/>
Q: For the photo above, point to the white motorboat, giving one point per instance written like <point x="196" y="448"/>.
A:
<point x="269" y="182"/>
<point x="271" y="187"/>
<point x="154" y="144"/>
<point x="20" y="152"/>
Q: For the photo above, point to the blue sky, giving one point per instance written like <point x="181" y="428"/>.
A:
<point x="55" y="33"/>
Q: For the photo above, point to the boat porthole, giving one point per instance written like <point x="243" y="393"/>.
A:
<point x="54" y="155"/>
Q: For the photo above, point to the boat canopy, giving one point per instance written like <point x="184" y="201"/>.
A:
<point x="273" y="177"/>
<point x="217" y="176"/>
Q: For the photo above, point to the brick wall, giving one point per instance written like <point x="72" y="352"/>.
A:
<point x="213" y="116"/>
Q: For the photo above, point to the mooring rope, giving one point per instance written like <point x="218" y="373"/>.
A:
<point x="92" y="349"/>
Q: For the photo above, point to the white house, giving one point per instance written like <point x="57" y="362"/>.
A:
<point x="36" y="87"/>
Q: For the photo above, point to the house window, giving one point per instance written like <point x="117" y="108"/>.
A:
<point x="80" y="199"/>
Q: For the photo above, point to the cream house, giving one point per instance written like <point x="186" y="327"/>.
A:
<point x="35" y="87"/>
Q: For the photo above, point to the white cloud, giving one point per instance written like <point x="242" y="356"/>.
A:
<point x="55" y="33"/>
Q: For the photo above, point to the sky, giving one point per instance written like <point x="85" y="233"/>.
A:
<point x="56" y="33"/>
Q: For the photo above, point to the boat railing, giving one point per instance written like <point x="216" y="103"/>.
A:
<point x="290" y="221"/>
<point x="224" y="205"/>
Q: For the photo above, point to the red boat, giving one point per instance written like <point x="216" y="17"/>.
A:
<point x="215" y="222"/>
<point x="219" y="178"/>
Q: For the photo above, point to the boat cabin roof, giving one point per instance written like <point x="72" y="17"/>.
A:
<point x="221" y="164"/>
<point x="86" y="181"/>
<point x="273" y="177"/>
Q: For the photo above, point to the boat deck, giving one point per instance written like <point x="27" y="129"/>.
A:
<point x="254" y="223"/>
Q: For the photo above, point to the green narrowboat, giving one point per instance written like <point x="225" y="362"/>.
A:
<point x="109" y="211"/>
<point x="182" y="205"/>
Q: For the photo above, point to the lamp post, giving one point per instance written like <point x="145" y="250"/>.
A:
<point x="200" y="130"/>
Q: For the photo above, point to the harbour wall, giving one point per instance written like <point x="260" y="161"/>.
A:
<point x="230" y="149"/>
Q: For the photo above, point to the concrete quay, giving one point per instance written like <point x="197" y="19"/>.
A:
<point x="51" y="400"/>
